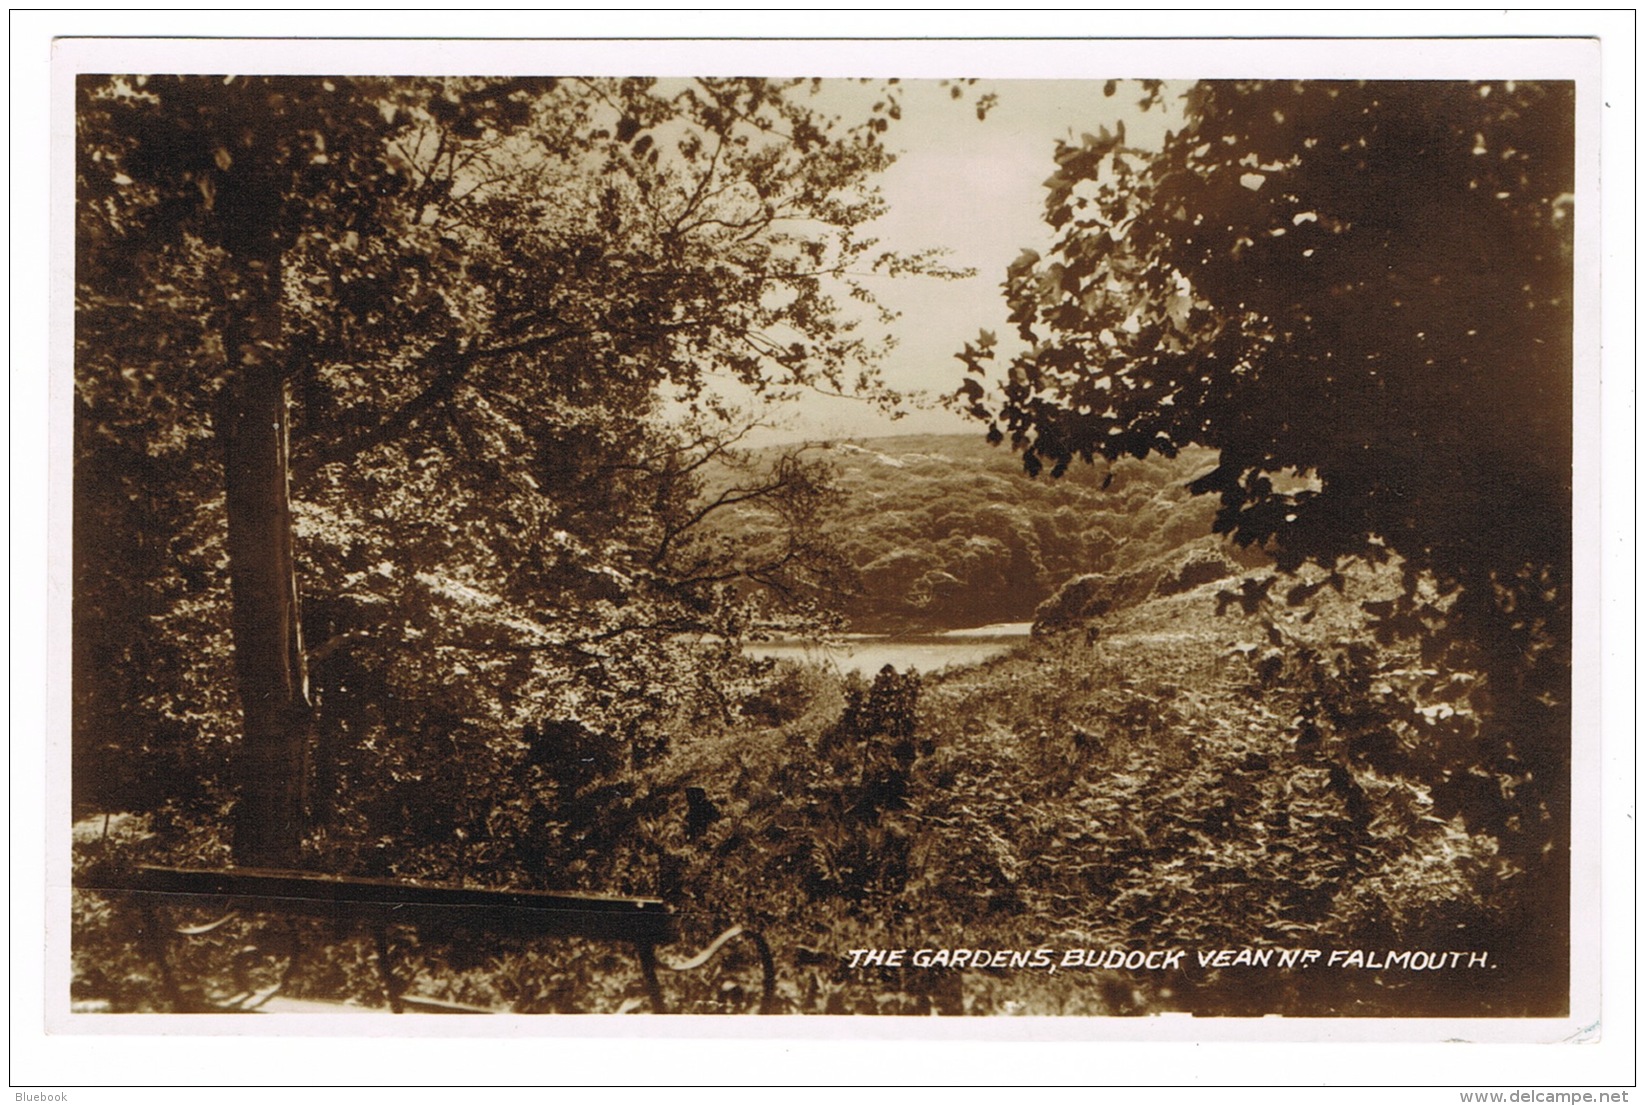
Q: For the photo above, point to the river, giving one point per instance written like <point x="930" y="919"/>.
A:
<point x="928" y="652"/>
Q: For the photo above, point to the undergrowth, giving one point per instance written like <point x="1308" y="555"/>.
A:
<point x="1205" y="773"/>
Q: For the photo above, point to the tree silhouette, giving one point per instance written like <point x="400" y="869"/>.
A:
<point x="1360" y="294"/>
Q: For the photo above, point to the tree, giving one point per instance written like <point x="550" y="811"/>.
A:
<point x="1360" y="294"/>
<point x="1301" y="262"/>
<point x="394" y="319"/>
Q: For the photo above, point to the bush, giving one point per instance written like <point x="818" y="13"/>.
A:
<point x="1097" y="595"/>
<point x="1199" y="566"/>
<point x="1080" y="598"/>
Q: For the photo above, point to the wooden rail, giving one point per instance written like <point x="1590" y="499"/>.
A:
<point x="433" y="909"/>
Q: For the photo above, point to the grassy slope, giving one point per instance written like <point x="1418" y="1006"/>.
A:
<point x="1159" y="788"/>
<point x="1191" y="776"/>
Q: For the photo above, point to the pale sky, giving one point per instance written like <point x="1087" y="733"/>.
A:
<point x="976" y="188"/>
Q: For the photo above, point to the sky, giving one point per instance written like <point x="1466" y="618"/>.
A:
<point x="975" y="188"/>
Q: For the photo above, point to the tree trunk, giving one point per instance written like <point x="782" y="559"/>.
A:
<point x="271" y="816"/>
<point x="268" y="638"/>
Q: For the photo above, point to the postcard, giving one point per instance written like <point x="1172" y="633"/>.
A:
<point x="1060" y="539"/>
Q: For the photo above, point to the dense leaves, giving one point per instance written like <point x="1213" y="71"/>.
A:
<point x="1363" y="286"/>
<point x="493" y="314"/>
<point x="1360" y="295"/>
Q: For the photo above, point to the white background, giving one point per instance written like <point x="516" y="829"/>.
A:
<point x="822" y="1051"/>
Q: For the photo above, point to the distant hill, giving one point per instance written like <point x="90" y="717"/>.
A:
<point x="948" y="531"/>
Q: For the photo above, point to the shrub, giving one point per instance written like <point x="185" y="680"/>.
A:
<point x="1199" y="566"/>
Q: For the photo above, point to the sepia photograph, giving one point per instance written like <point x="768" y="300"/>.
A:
<point x="583" y="542"/>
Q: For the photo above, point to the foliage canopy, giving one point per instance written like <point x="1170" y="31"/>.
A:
<point x="1360" y="295"/>
<point x="483" y="318"/>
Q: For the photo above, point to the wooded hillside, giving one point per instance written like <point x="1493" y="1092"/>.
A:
<point x="944" y="531"/>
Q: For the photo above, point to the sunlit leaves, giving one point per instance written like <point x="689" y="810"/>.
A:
<point x="488" y="288"/>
